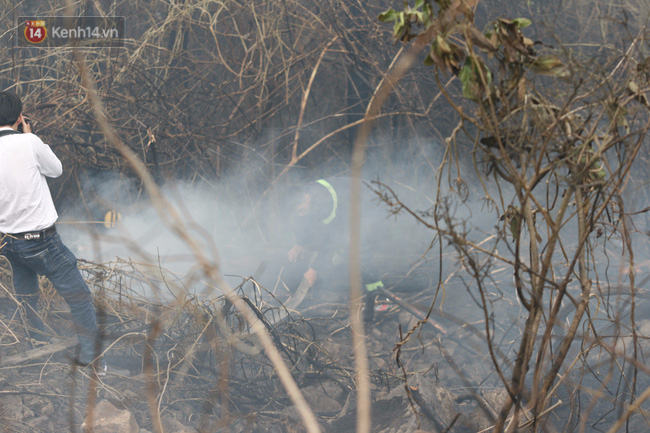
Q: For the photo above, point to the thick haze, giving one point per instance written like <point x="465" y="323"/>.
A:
<point x="251" y="235"/>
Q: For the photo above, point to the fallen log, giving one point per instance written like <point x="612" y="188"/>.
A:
<point x="39" y="352"/>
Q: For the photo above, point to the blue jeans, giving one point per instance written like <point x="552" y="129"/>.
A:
<point x="50" y="257"/>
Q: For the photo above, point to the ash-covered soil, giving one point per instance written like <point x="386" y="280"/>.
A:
<point x="171" y="369"/>
<point x="193" y="365"/>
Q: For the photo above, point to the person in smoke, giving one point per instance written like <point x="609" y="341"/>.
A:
<point x="322" y="233"/>
<point x="30" y="241"/>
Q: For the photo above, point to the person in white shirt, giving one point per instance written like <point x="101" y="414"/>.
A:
<point x="28" y="236"/>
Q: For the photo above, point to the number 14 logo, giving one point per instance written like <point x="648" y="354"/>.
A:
<point x="35" y="31"/>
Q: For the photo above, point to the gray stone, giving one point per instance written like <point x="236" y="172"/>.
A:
<point x="47" y="409"/>
<point x="172" y="424"/>
<point x="291" y="414"/>
<point x="319" y="401"/>
<point x="391" y="413"/>
<point x="42" y="423"/>
<point x="436" y="401"/>
<point x="13" y="408"/>
<point x="332" y="389"/>
<point x="109" y="419"/>
<point x="436" y="408"/>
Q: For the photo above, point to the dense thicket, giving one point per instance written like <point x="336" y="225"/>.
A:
<point x="201" y="88"/>
<point x="536" y="181"/>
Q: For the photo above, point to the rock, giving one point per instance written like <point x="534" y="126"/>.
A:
<point x="27" y="413"/>
<point x="291" y="414"/>
<point x="484" y="417"/>
<point x="378" y="363"/>
<point x="47" y="409"/>
<point x="42" y="423"/>
<point x="14" y="408"/>
<point x="337" y="351"/>
<point x="495" y="398"/>
<point x="171" y="424"/>
<point x="435" y="400"/>
<point x="188" y="411"/>
<point x="39" y="405"/>
<point x="109" y="419"/>
<point x="392" y="412"/>
<point x="290" y="420"/>
<point x="130" y="398"/>
<point x="332" y="389"/>
<point x="319" y="401"/>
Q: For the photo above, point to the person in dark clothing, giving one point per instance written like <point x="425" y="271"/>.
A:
<point x="29" y="239"/>
<point x="322" y="234"/>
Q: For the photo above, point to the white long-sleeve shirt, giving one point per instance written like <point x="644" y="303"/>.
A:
<point x="25" y="199"/>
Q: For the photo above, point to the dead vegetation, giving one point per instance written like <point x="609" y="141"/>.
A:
<point x="559" y="140"/>
<point x="538" y="324"/>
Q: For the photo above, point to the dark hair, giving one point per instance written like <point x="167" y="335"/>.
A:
<point x="10" y="108"/>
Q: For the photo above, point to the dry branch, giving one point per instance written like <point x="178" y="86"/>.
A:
<point x="38" y="353"/>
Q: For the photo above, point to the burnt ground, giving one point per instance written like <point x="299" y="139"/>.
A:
<point x="173" y="370"/>
<point x="172" y="362"/>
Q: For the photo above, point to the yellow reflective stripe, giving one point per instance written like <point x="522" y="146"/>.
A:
<point x="374" y="286"/>
<point x="335" y="199"/>
<point x="111" y="218"/>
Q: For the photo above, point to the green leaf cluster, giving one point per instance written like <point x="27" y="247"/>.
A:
<point x="455" y="41"/>
<point x="475" y="78"/>
<point x="421" y="14"/>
